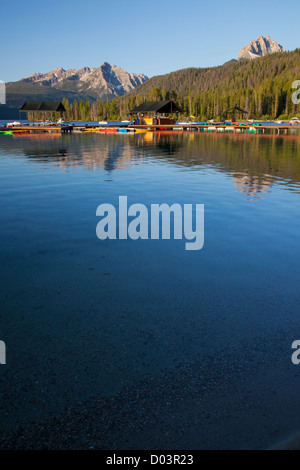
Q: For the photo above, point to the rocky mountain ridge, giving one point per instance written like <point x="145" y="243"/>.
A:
<point x="260" y="47"/>
<point x="104" y="82"/>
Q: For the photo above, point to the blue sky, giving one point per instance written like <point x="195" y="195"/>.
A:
<point x="151" y="37"/>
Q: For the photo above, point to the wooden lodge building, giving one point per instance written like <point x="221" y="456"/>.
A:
<point x="154" y="113"/>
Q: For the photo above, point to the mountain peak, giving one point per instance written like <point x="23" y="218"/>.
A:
<point x="59" y="69"/>
<point x="260" y="47"/>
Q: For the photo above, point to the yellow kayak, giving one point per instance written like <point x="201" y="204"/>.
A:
<point x="90" y="130"/>
<point x="141" y="131"/>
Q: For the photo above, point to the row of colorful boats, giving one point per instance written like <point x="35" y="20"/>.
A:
<point x="10" y="131"/>
<point x="112" y="130"/>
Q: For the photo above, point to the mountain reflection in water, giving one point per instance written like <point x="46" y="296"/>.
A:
<point x="254" y="162"/>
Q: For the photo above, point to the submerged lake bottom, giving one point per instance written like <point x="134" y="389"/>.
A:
<point x="141" y="344"/>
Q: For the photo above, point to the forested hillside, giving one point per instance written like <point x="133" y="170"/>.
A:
<point x="263" y="87"/>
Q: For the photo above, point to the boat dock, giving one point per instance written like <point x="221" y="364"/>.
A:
<point x="238" y="128"/>
<point x="36" y="129"/>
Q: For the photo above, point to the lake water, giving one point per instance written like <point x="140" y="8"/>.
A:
<point x="84" y="318"/>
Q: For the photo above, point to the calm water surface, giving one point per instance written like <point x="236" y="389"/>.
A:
<point x="84" y="317"/>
